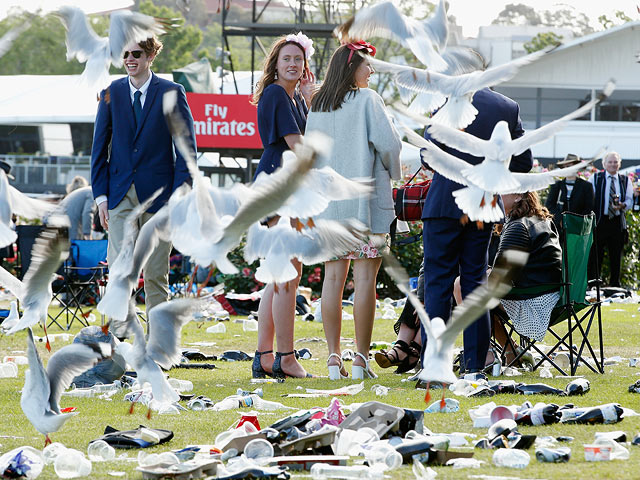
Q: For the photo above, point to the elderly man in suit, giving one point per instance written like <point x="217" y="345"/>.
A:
<point x="453" y="247"/>
<point x="613" y="197"/>
<point x="572" y="194"/>
<point x="133" y="156"/>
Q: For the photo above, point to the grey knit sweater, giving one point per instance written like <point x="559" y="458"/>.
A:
<point x="365" y="145"/>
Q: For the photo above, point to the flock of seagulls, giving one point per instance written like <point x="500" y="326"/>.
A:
<point x="206" y="222"/>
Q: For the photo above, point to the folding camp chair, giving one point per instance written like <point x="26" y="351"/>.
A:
<point x="572" y="309"/>
<point x="84" y="274"/>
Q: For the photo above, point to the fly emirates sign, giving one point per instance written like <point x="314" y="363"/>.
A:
<point x="224" y="121"/>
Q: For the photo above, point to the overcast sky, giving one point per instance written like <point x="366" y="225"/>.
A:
<point x="471" y="14"/>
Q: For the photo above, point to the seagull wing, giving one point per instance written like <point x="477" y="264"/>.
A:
<point x="12" y="284"/>
<point x="532" y="137"/>
<point x="416" y="79"/>
<point x="36" y="386"/>
<point x="82" y="42"/>
<point x="487" y="295"/>
<point x="537" y="181"/>
<point x="327" y="239"/>
<point x="69" y="362"/>
<point x="127" y="27"/>
<point x="25" y="206"/>
<point x="442" y="162"/>
<point x="399" y="275"/>
<point x="461" y="141"/>
<point x="165" y="324"/>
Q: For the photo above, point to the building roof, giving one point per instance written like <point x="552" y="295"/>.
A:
<point x="588" y="62"/>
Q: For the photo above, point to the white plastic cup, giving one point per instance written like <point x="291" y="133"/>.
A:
<point x="500" y="413"/>
<point x="72" y="463"/>
<point x="168" y="458"/>
<point x="17" y="359"/>
<point x="149" y="436"/>
<point x="147" y="459"/>
<point x="259" y="450"/>
<point x="217" y="328"/>
<point x="51" y="452"/>
<point x="8" y="370"/>
<point x="511" y="458"/>
<point x="250" y="325"/>
<point x="100" y="451"/>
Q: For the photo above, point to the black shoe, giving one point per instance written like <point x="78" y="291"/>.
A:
<point x="277" y="366"/>
<point x="256" y="368"/>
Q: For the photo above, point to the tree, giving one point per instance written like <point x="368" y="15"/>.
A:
<point x="542" y="41"/>
<point x="517" y="14"/>
<point x="569" y="18"/>
<point x="607" y="23"/>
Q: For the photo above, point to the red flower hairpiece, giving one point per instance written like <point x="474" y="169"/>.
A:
<point x="360" y="45"/>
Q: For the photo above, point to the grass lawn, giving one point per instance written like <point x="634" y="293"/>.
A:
<point x="621" y="331"/>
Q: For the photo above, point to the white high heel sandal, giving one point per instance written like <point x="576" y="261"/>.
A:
<point x="360" y="373"/>
<point x="335" y="371"/>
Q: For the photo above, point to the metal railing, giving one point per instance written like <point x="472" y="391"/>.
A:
<point x="40" y="174"/>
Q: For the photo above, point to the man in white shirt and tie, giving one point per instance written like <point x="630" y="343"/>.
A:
<point x="613" y="196"/>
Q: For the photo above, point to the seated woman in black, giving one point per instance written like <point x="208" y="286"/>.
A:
<point x="529" y="227"/>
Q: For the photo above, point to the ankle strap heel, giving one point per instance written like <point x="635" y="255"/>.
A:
<point x="277" y="370"/>
<point x="360" y="373"/>
<point x="335" y="371"/>
<point x="257" y="371"/>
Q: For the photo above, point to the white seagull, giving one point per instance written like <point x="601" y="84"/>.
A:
<point x="49" y="251"/>
<point x="441" y="336"/>
<point x="161" y="349"/>
<point x="14" y="315"/>
<point x="458" y="112"/>
<point x="43" y="388"/>
<point x="276" y="246"/>
<point x="100" y="52"/>
<point x="425" y="38"/>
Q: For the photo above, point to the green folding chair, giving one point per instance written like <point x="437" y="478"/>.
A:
<point x="572" y="309"/>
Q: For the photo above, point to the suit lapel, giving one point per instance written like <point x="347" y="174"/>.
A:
<point x="124" y="91"/>
<point x="148" y="101"/>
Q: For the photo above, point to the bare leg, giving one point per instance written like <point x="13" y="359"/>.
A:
<point x="365" y="272"/>
<point x="284" y="314"/>
<point x="265" y="328"/>
<point x="335" y="276"/>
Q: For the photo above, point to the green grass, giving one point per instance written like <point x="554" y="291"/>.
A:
<point x="622" y="337"/>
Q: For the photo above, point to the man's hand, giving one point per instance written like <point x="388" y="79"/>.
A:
<point x="103" y="211"/>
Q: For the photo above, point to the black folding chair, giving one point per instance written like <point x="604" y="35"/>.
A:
<point x="572" y="309"/>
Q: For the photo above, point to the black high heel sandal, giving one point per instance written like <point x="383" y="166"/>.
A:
<point x="391" y="358"/>
<point x="257" y="371"/>
<point x="277" y="366"/>
<point x="411" y="360"/>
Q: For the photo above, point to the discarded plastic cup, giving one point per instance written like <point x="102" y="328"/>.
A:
<point x="8" y="370"/>
<point x="149" y="436"/>
<point x="384" y="456"/>
<point x="511" y="458"/>
<point x="100" y="451"/>
<point x="72" y="463"/>
<point x="17" y="359"/>
<point x="217" y="328"/>
<point x="380" y="390"/>
<point x="259" y="451"/>
<point x="181" y="385"/>
<point x="147" y="459"/>
<point x="250" y="325"/>
<point x="51" y="452"/>
<point x="500" y="413"/>
<point x="168" y="458"/>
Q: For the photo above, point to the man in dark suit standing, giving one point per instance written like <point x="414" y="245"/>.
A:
<point x="613" y="196"/>
<point x="572" y="194"/>
<point x="133" y="156"/>
<point x="453" y="248"/>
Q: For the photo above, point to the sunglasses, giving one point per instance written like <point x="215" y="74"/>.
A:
<point x="134" y="54"/>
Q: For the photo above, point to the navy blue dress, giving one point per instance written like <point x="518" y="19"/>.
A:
<point x="278" y="116"/>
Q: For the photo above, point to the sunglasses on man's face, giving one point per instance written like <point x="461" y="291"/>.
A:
<point x="134" y="54"/>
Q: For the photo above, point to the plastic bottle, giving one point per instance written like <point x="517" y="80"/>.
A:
<point x="511" y="458"/>
<point x="539" y="415"/>
<point x="262" y="404"/>
<point x="258" y="391"/>
<point x="553" y="455"/>
<point x="72" y="463"/>
<point x="100" y="451"/>
<point x="8" y="370"/>
<point x="539" y="388"/>
<point x="415" y="447"/>
<point x="608" y="413"/>
<point x="579" y="386"/>
<point x="321" y="471"/>
<point x="617" y="436"/>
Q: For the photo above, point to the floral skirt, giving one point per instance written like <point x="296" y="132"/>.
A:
<point x="377" y="245"/>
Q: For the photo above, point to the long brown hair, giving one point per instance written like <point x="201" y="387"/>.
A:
<point x="270" y="63"/>
<point x="529" y="206"/>
<point x="339" y="81"/>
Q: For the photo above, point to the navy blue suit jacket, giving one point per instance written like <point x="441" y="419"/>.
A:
<point x="492" y="107"/>
<point x="123" y="154"/>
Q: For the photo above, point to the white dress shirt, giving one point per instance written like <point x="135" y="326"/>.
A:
<point x="628" y="199"/>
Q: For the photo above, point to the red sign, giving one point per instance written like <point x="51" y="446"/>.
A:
<point x="224" y="121"/>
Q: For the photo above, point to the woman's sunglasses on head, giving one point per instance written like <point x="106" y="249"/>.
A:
<point x="134" y="54"/>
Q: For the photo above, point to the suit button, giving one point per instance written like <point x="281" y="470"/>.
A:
<point x="135" y="150"/>
<point x="135" y="170"/>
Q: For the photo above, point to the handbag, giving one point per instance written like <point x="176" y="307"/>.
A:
<point x="408" y="200"/>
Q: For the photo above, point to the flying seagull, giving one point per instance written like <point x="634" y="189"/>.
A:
<point x="43" y="388"/>
<point x="441" y="336"/>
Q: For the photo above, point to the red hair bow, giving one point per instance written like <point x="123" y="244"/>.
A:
<point x="360" y="45"/>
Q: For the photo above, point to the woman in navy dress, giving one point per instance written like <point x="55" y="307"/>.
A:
<point x="282" y="96"/>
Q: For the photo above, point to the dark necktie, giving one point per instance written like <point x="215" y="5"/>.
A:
<point x="612" y="194"/>
<point x="137" y="107"/>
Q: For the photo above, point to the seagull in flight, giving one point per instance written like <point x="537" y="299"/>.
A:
<point x="441" y="336"/>
<point x="100" y="52"/>
<point x="43" y="388"/>
<point x="425" y="38"/>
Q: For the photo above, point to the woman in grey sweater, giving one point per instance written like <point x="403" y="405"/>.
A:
<point x="366" y="145"/>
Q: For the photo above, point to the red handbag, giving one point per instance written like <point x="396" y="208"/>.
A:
<point x="408" y="200"/>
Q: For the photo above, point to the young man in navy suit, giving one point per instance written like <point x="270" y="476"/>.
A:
<point x="133" y="156"/>
<point x="453" y="248"/>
